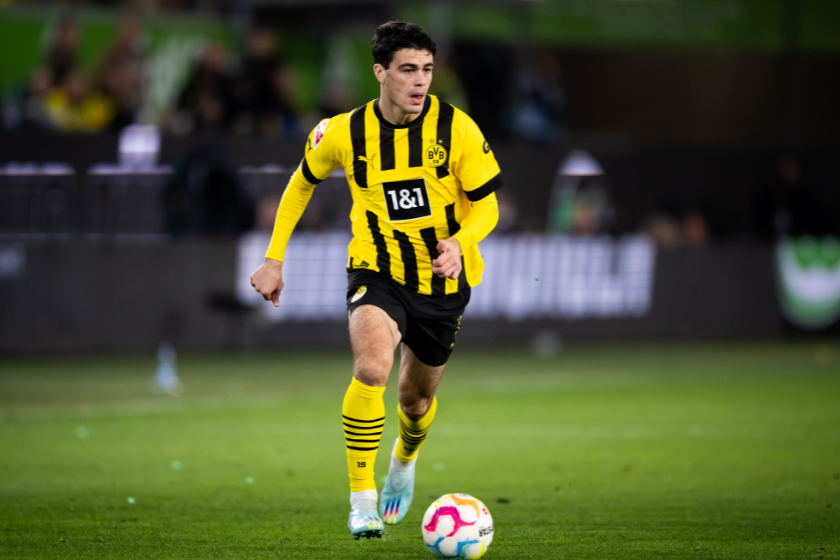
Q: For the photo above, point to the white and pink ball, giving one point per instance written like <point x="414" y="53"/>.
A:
<point x="457" y="526"/>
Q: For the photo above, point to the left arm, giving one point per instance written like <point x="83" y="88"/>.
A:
<point x="480" y="178"/>
<point x="477" y="225"/>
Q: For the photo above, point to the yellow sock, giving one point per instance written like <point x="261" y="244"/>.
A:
<point x="364" y="416"/>
<point x="412" y="434"/>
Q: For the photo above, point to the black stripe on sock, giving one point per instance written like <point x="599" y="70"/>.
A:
<point x="363" y="448"/>
<point x="430" y="239"/>
<point x="364" y="440"/>
<point x="409" y="259"/>
<point x="413" y="435"/>
<point x="363" y="427"/>
<point x="406" y="431"/>
<point x="357" y="137"/>
<point x="386" y="147"/>
<point x="444" y="134"/>
<point x="363" y="421"/>
<point x="415" y="146"/>
<point x="355" y="434"/>
<point x="383" y="259"/>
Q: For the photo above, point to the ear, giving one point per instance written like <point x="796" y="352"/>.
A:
<point x="379" y="72"/>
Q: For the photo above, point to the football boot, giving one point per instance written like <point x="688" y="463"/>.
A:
<point x="365" y="524"/>
<point x="396" y="498"/>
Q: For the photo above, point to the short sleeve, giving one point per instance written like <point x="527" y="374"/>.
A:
<point x="478" y="170"/>
<point x="319" y="160"/>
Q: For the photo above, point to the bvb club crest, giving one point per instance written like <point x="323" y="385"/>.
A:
<point x="436" y="155"/>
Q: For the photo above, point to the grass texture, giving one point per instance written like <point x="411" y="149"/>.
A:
<point x="602" y="452"/>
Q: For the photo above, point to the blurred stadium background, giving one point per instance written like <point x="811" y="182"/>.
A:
<point x="672" y="175"/>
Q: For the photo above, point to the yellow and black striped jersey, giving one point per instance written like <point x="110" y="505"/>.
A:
<point x="412" y="185"/>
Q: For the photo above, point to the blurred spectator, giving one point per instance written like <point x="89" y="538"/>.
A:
<point x="486" y="69"/>
<point x="695" y="229"/>
<point x="539" y="105"/>
<point x="668" y="232"/>
<point x="267" y="212"/>
<point x="508" y="213"/>
<point x="580" y="205"/>
<point x="664" y="231"/>
<point x="787" y="205"/>
<point x="27" y="107"/>
<point x="35" y="111"/>
<point x="62" y="55"/>
<point x="204" y="196"/>
<point x="121" y="74"/>
<point x="260" y="89"/>
<point x="204" y="102"/>
<point x="339" y="80"/>
<point x="74" y="108"/>
<point x="447" y="85"/>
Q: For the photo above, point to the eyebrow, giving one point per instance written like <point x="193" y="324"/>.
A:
<point x="412" y="65"/>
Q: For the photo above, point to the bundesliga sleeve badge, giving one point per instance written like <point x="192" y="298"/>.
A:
<point x="318" y="133"/>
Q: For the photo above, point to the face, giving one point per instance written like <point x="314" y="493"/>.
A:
<point x="407" y="79"/>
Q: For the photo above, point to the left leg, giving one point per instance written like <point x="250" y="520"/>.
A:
<point x="433" y="323"/>
<point x="416" y="410"/>
<point x="418" y="384"/>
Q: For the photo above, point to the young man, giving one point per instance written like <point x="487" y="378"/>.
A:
<point x="423" y="182"/>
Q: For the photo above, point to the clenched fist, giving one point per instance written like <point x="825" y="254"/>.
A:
<point x="448" y="263"/>
<point x="268" y="280"/>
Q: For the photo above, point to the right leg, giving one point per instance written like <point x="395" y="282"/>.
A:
<point x="374" y="336"/>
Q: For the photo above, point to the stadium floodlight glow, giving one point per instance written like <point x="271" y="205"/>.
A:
<point x="579" y="163"/>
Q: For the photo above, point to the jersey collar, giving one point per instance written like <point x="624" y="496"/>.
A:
<point x="416" y="122"/>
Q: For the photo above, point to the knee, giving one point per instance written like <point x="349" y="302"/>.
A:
<point x="415" y="408"/>
<point x="372" y="371"/>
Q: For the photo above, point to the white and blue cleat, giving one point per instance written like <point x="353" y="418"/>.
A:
<point x="395" y="501"/>
<point x="362" y="524"/>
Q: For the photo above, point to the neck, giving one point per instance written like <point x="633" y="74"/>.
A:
<point x="392" y="113"/>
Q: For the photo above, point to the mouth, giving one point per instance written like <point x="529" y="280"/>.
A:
<point x="417" y="98"/>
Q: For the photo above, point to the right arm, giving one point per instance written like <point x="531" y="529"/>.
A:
<point x="268" y="278"/>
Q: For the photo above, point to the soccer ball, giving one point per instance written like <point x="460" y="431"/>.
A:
<point x="457" y="526"/>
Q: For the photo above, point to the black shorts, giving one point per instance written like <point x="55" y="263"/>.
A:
<point x="428" y="324"/>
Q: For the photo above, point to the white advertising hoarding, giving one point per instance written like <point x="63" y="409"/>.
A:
<point x="526" y="277"/>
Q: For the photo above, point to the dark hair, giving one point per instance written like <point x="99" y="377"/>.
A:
<point x="396" y="35"/>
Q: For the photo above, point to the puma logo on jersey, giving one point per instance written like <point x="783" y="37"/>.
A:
<point x="369" y="160"/>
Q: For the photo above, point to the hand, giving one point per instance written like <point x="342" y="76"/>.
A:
<point x="268" y="280"/>
<point x="448" y="264"/>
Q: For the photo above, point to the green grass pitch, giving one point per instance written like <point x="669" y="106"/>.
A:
<point x="602" y="452"/>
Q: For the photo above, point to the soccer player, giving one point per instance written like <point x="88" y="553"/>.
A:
<point x="423" y="180"/>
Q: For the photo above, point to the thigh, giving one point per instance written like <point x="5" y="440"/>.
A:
<point x="432" y="326"/>
<point x="374" y="336"/>
<point x="418" y="383"/>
